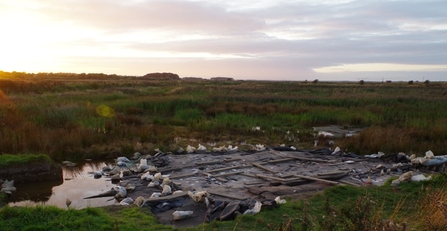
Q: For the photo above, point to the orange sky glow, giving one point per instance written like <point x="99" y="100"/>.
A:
<point x="271" y="40"/>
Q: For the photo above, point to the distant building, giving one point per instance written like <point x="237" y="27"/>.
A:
<point x="222" y="79"/>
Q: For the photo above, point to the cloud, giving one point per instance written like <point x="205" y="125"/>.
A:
<point x="245" y="39"/>
<point x="124" y="16"/>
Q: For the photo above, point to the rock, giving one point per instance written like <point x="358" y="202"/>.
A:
<point x="97" y="174"/>
<point x="115" y="178"/>
<point x="127" y="172"/>
<point x="115" y="171"/>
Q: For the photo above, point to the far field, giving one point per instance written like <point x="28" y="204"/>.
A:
<point x="73" y="117"/>
<point x="78" y="116"/>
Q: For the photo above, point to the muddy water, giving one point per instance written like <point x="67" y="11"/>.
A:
<point x="78" y="182"/>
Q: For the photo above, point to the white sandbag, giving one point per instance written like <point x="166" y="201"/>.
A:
<point x="279" y="200"/>
<point x="151" y="185"/>
<point x="166" y="181"/>
<point x="126" y="201"/>
<point x="190" y="149"/>
<point x="8" y="183"/>
<point x="121" y="191"/>
<point x="166" y="190"/>
<point x="157" y="176"/>
<point x="198" y="196"/>
<point x="429" y="154"/>
<point x="122" y="159"/>
<point x="255" y="209"/>
<point x="420" y="177"/>
<point x="181" y="215"/>
<point x="147" y="176"/>
<point x="143" y="165"/>
<point x="155" y="194"/>
<point x="139" y="201"/>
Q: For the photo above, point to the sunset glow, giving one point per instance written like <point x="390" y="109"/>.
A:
<point x="275" y="40"/>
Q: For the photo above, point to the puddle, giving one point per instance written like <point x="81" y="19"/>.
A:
<point x="77" y="183"/>
<point x="336" y="131"/>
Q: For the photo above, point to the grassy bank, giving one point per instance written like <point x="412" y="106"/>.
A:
<point x="12" y="160"/>
<point x="411" y="206"/>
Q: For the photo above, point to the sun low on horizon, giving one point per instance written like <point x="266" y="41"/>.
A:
<point x="274" y="40"/>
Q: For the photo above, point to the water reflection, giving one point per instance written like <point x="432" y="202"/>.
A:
<point x="77" y="183"/>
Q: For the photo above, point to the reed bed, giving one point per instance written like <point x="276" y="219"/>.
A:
<point x="60" y="114"/>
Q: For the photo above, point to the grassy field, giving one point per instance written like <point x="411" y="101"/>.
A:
<point x="72" y="117"/>
<point x="82" y="116"/>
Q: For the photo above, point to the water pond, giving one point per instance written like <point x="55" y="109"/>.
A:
<point x="77" y="183"/>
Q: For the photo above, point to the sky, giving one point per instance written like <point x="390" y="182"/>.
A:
<point x="334" y="40"/>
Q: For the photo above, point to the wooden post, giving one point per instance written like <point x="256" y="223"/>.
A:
<point x="317" y="179"/>
<point x="262" y="167"/>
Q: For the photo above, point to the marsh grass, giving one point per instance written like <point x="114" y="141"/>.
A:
<point x="56" y="113"/>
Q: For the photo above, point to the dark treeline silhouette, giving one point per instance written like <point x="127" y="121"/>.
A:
<point x="93" y="76"/>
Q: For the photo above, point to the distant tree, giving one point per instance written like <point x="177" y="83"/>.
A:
<point x="427" y="81"/>
<point x="315" y="81"/>
<point x="161" y="76"/>
<point x="362" y="81"/>
<point x="410" y="82"/>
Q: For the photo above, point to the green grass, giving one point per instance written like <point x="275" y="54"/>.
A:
<point x="56" y="113"/>
<point x="53" y="218"/>
<point x="20" y="159"/>
<point x="337" y="208"/>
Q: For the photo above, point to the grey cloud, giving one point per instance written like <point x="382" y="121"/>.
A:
<point x="161" y="15"/>
<point x="366" y="31"/>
